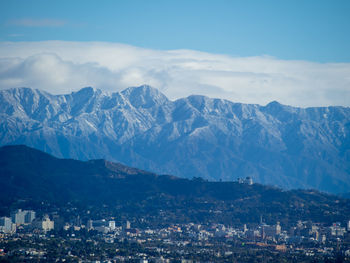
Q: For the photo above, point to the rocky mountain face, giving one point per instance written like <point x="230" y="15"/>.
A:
<point x="190" y="137"/>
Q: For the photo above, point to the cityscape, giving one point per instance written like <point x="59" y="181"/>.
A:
<point x="29" y="236"/>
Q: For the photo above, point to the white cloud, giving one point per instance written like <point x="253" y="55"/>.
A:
<point x="30" y="22"/>
<point x="16" y="35"/>
<point x="61" y="67"/>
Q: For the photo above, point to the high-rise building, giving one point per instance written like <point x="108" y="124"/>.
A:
<point x="278" y="228"/>
<point x="45" y="224"/>
<point x="111" y="225"/>
<point x="6" y="225"/>
<point x="58" y="222"/>
<point x="89" y="224"/>
<point x="272" y="230"/>
<point x="18" y="216"/>
<point x="22" y="216"/>
<point x="29" y="216"/>
<point x="245" y="229"/>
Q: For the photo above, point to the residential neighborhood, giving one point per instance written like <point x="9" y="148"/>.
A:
<point x="28" y="237"/>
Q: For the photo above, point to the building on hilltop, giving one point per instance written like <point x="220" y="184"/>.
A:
<point x="248" y="180"/>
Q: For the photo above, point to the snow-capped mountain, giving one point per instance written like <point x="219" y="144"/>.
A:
<point x="194" y="136"/>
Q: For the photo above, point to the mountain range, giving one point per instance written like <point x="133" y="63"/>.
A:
<point x="190" y="137"/>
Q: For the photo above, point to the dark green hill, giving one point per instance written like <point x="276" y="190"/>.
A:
<point x="29" y="174"/>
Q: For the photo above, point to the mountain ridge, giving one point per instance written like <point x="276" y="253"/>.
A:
<point x="194" y="136"/>
<point x="33" y="178"/>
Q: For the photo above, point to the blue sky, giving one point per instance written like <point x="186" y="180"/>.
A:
<point x="296" y="52"/>
<point x="310" y="30"/>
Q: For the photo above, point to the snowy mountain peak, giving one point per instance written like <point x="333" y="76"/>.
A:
<point x="24" y="93"/>
<point x="274" y="104"/>
<point x="144" y="96"/>
<point x="193" y="136"/>
<point x="87" y="91"/>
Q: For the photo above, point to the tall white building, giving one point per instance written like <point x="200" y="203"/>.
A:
<point x="111" y="225"/>
<point x="45" y="224"/>
<point x="6" y="225"/>
<point x="20" y="216"/>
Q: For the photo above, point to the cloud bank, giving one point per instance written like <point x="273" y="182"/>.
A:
<point x="62" y="67"/>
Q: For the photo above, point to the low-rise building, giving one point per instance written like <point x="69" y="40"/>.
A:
<point x="101" y="225"/>
<point x="336" y="230"/>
